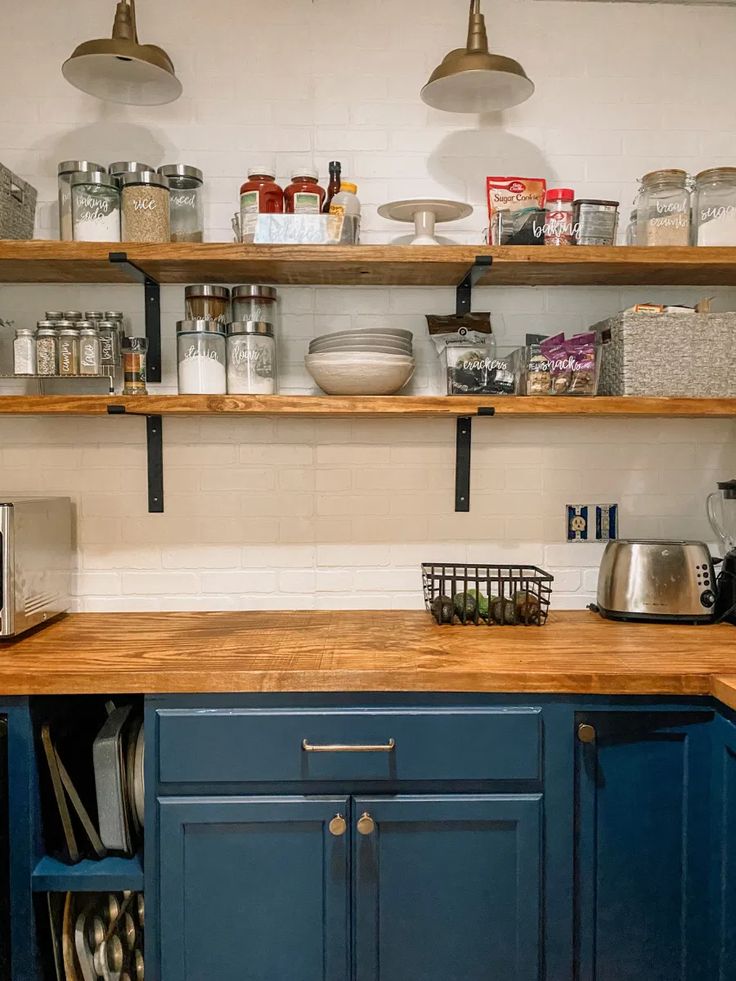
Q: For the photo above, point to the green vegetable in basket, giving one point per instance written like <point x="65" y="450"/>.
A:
<point x="464" y="604"/>
<point x="481" y="600"/>
<point x="442" y="609"/>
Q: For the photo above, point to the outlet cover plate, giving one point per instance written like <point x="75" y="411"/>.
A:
<point x="591" y="522"/>
<point x="577" y="522"/>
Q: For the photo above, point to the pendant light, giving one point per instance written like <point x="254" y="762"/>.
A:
<point x="471" y="79"/>
<point x="119" y="69"/>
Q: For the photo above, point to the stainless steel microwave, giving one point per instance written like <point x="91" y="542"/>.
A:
<point x="35" y="562"/>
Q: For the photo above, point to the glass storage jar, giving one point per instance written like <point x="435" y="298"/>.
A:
<point x="95" y="207"/>
<point x="714" y="209"/>
<point x="145" y="207"/>
<point x="89" y="351"/>
<point x="66" y="169"/>
<point x="187" y="214"/>
<point x="47" y="349"/>
<point x="109" y="350"/>
<point x="68" y="351"/>
<point x="120" y="167"/>
<point x="251" y="359"/>
<point x="255" y="303"/>
<point x="200" y="355"/>
<point x="135" y="351"/>
<point x="206" y="302"/>
<point x="24" y="351"/>
<point x="663" y="209"/>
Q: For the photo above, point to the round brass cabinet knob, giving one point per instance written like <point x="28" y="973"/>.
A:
<point x="366" y="824"/>
<point x="586" y="733"/>
<point x="338" y="825"/>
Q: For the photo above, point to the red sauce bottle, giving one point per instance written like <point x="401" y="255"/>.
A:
<point x="260" y="195"/>
<point x="304" y="196"/>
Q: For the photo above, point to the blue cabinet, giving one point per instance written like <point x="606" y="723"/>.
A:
<point x="447" y="888"/>
<point x="253" y="888"/>
<point x="724" y="833"/>
<point x="642" y="847"/>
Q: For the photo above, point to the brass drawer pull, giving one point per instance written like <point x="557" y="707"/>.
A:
<point x="338" y="826"/>
<point x="308" y="747"/>
<point x="366" y="824"/>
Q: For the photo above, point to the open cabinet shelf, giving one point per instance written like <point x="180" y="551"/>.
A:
<point x="112" y="874"/>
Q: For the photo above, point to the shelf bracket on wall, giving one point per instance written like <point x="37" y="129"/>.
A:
<point x="464" y="292"/>
<point x="152" y="300"/>
<point x="154" y="441"/>
<point x="463" y="439"/>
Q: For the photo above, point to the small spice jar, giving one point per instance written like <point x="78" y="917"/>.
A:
<point x="259" y="195"/>
<point x="186" y="202"/>
<point x="72" y="316"/>
<point x="663" y="209"/>
<point x="24" y="351"/>
<point x="255" y="303"/>
<point x="66" y="170"/>
<point x="109" y="349"/>
<point x="53" y="315"/>
<point x="47" y="349"/>
<point x="304" y="196"/>
<point x="558" y="224"/>
<point x="207" y="302"/>
<point x="714" y="210"/>
<point x="201" y="353"/>
<point x="68" y="351"/>
<point x="95" y="207"/>
<point x="145" y="207"/>
<point x="135" y="350"/>
<point x="595" y="221"/>
<point x="251" y="359"/>
<point x="94" y="315"/>
<point x="89" y="351"/>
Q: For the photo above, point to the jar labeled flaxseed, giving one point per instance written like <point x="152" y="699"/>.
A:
<point x="145" y="207"/>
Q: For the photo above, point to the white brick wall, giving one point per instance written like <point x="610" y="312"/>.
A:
<point x="268" y="514"/>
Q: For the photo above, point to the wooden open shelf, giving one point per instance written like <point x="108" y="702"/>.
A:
<point x="319" y="406"/>
<point x="368" y="265"/>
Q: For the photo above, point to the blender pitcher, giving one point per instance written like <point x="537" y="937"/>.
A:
<point x="721" y="507"/>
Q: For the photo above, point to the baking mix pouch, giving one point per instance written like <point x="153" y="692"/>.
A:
<point x="516" y="210"/>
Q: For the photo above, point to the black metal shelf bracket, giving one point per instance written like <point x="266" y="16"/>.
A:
<point x="154" y="442"/>
<point x="152" y="301"/>
<point x="463" y="441"/>
<point x="464" y="292"/>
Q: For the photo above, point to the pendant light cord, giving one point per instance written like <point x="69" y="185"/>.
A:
<point x="477" y="37"/>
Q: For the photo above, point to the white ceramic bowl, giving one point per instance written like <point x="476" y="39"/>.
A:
<point x="358" y="374"/>
<point x="405" y="335"/>
<point x="360" y="345"/>
<point x="359" y="349"/>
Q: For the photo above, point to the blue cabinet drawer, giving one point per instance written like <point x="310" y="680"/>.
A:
<point x="212" y="746"/>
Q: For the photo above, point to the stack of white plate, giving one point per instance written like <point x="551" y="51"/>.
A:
<point x="373" y="361"/>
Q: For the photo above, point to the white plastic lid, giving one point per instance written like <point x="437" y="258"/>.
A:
<point x="304" y="172"/>
<point x="262" y="170"/>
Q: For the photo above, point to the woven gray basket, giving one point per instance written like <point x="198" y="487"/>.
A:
<point x="688" y="355"/>
<point x="17" y="206"/>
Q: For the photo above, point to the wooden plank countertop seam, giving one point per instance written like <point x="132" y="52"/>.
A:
<point x="365" y="651"/>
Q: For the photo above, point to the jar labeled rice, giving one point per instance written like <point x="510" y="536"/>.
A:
<point x="145" y="207"/>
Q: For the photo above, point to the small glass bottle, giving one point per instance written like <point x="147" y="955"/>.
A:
<point x="663" y="209"/>
<point x="333" y="187"/>
<point x="95" y="207"/>
<point x="558" y="223"/>
<point x="68" y="351"/>
<point x="200" y="350"/>
<point x="24" y="351"/>
<point x="186" y="202"/>
<point x="259" y="195"/>
<point x="304" y="196"/>
<point x="109" y="351"/>
<point x="89" y="351"/>
<point x="251" y="359"/>
<point x="135" y="350"/>
<point x="47" y="349"/>
<point x="714" y="210"/>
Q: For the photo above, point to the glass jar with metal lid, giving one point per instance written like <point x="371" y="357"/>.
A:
<point x="207" y="302"/>
<point x="187" y="212"/>
<point x="24" y="351"/>
<point x="68" y="351"/>
<point x="47" y="349"/>
<point x="89" y="350"/>
<point x="251" y="359"/>
<point x="255" y="303"/>
<point x="65" y="170"/>
<point x="145" y="207"/>
<point x="95" y="207"/>
<point x="714" y="207"/>
<point x="201" y="353"/>
<point x="121" y="167"/>
<point x="663" y="209"/>
<point x="72" y="316"/>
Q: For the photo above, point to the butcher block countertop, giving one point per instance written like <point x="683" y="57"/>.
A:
<point x="576" y="653"/>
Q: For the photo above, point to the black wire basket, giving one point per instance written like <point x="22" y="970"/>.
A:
<point x="494" y="595"/>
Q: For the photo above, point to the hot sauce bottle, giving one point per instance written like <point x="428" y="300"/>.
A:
<point x="304" y="196"/>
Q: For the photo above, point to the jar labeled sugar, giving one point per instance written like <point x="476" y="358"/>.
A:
<point x="714" y="211"/>
<point x="95" y="207"/>
<point x="200" y="349"/>
<point x="145" y="207"/>
<point x="251" y="359"/>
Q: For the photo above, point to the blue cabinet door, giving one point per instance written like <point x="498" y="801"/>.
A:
<point x="447" y="888"/>
<point x="725" y="847"/>
<point x="642" y="847"/>
<point x="253" y="889"/>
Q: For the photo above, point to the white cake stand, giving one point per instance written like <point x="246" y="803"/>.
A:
<point x="425" y="213"/>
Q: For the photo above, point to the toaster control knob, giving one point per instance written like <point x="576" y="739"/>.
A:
<point x="707" y="598"/>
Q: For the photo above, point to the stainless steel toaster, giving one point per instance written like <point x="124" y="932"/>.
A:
<point x="35" y="562"/>
<point x="657" y="580"/>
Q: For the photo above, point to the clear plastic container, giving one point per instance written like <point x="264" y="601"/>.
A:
<point x="186" y="202"/>
<point x="95" y="207"/>
<point x="476" y="369"/>
<point x="663" y="209"/>
<point x="558" y="218"/>
<point x="714" y="208"/>
<point x="346" y="204"/>
<point x="201" y="357"/>
<point x="251" y="359"/>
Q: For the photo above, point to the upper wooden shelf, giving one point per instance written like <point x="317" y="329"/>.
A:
<point x="400" y="406"/>
<point x="368" y="265"/>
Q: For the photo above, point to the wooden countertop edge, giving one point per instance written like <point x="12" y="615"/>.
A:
<point x="723" y="688"/>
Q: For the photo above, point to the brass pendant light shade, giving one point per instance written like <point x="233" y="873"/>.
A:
<point x="119" y="69"/>
<point x="471" y="79"/>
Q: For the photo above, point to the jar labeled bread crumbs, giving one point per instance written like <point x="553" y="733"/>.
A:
<point x="145" y="208"/>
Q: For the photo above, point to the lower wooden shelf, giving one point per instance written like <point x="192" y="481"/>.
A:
<point x="316" y="406"/>
<point x="111" y="874"/>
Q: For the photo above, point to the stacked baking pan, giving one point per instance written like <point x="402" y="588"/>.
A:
<point x="372" y="361"/>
